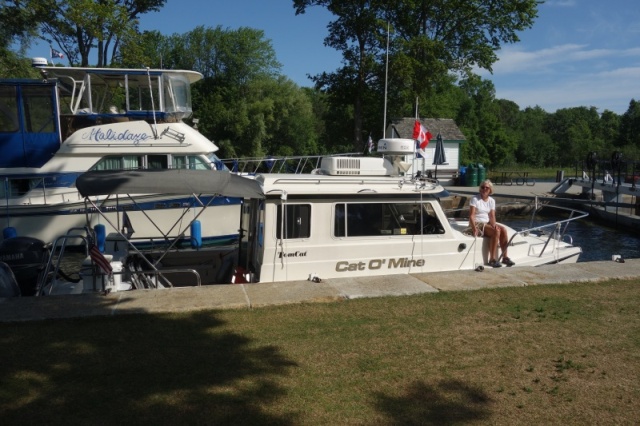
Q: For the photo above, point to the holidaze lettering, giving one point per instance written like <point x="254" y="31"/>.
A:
<point x="109" y="135"/>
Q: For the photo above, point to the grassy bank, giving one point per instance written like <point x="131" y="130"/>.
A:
<point x="566" y="354"/>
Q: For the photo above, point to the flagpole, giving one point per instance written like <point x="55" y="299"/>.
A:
<point x="414" y="154"/>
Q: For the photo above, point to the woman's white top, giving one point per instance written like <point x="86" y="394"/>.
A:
<point x="483" y="208"/>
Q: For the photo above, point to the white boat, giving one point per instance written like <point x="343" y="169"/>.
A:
<point x="353" y="217"/>
<point x="81" y="119"/>
<point x="344" y="222"/>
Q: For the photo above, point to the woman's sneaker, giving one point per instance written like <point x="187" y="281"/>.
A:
<point x="508" y="261"/>
<point x="494" y="263"/>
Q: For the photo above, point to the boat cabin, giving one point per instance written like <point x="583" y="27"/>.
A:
<point x="351" y="218"/>
<point x="29" y="125"/>
<point x="90" y="96"/>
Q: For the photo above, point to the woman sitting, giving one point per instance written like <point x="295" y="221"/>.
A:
<point x="482" y="219"/>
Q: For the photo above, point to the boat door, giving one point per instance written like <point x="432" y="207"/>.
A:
<point x="255" y="249"/>
<point x="29" y="124"/>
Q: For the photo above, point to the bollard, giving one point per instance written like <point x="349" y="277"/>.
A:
<point x="559" y="175"/>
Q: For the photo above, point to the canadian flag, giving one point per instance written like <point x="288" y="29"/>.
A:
<point x="422" y="135"/>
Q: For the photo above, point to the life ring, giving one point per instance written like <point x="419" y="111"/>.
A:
<point x="592" y="158"/>
<point x="616" y="159"/>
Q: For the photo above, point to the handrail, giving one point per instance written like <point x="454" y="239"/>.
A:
<point x="556" y="224"/>
<point x="574" y="215"/>
<point x="295" y="164"/>
<point x="158" y="272"/>
<point x="63" y="239"/>
<point x="61" y="244"/>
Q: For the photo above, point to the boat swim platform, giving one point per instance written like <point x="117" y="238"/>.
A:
<point x="255" y="296"/>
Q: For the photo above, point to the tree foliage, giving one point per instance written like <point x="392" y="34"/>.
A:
<point x="79" y="26"/>
<point x="17" y="28"/>
<point x="249" y="109"/>
<point x="429" y="40"/>
<point x="243" y="103"/>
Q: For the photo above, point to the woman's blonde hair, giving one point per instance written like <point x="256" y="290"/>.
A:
<point x="488" y="184"/>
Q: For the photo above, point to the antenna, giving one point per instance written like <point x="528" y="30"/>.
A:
<point x="386" y="79"/>
<point x="153" y="107"/>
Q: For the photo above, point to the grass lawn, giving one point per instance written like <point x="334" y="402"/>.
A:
<point x="553" y="354"/>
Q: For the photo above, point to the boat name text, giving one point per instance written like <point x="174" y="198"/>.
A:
<point x="294" y="254"/>
<point x="374" y="264"/>
<point x="109" y="135"/>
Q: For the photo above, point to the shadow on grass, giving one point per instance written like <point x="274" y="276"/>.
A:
<point x="448" y="402"/>
<point x="148" y="369"/>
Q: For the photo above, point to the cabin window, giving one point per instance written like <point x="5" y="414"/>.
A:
<point x="141" y="97"/>
<point x="120" y="162"/>
<point x="177" y="95"/>
<point x="157" y="162"/>
<point x="296" y="221"/>
<point x="38" y="109"/>
<point x="108" y="95"/>
<point x="8" y="110"/>
<point x="191" y="162"/>
<point x="15" y="187"/>
<point x="373" y="219"/>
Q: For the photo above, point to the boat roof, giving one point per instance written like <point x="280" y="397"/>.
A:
<point x="78" y="73"/>
<point x="173" y="181"/>
<point x="318" y="184"/>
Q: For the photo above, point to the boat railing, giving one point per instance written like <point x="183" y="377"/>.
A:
<point x="556" y="229"/>
<point x="141" y="278"/>
<point x="56" y="255"/>
<point x="284" y="164"/>
<point x="40" y="189"/>
<point x="559" y="227"/>
<point x="149" y="278"/>
<point x="608" y="171"/>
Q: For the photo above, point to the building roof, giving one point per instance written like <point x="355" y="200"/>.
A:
<point x="403" y="128"/>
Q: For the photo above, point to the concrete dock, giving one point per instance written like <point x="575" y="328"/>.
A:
<point x="250" y="296"/>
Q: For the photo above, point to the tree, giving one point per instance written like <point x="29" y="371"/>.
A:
<point x="429" y="39"/>
<point x="576" y="133"/>
<point x="243" y="103"/>
<point x="77" y="26"/>
<point x="535" y="147"/>
<point x="17" y="28"/>
<point x="629" y="140"/>
<point x="359" y="34"/>
<point x="147" y="49"/>
<point x="479" y="118"/>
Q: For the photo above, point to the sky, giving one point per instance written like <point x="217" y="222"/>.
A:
<point x="578" y="53"/>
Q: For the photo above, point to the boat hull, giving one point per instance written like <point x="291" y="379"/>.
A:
<point x="219" y="222"/>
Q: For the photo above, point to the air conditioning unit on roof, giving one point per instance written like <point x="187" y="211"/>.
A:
<point x="356" y="166"/>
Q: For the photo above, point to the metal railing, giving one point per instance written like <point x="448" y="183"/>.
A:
<point x="285" y="164"/>
<point x="559" y="227"/>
